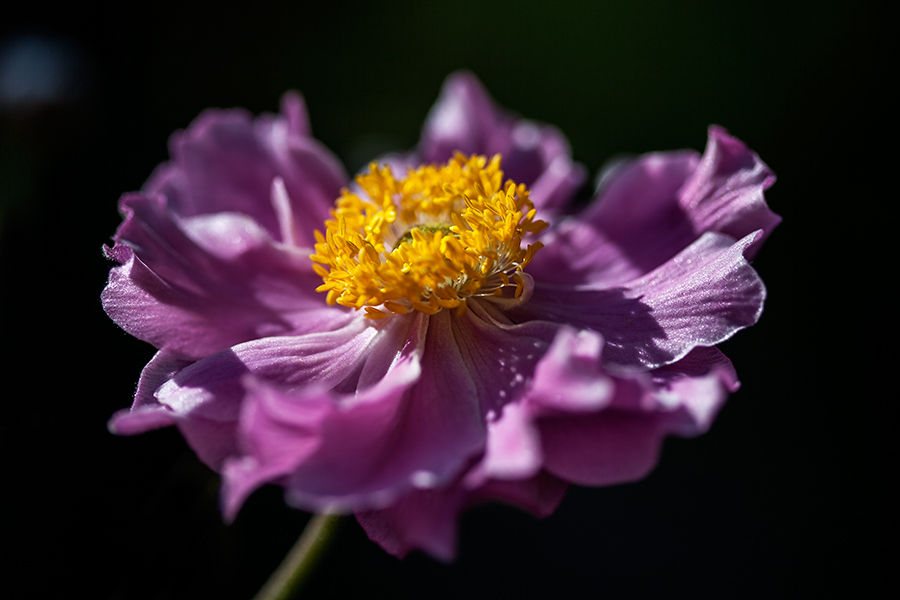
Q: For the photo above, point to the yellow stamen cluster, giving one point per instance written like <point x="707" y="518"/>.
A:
<point x="443" y="234"/>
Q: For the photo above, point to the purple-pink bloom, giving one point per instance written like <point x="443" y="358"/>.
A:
<point x="607" y="347"/>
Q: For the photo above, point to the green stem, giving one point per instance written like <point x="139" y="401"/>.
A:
<point x="302" y="558"/>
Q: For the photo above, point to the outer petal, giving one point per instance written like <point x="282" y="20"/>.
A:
<point x="227" y="161"/>
<point x="424" y="519"/>
<point x="696" y="386"/>
<point x="146" y="412"/>
<point x="621" y="445"/>
<point x="569" y="378"/>
<point x="196" y="285"/>
<point x="699" y="298"/>
<point x="725" y="193"/>
<point x="577" y="423"/>
<point x="649" y="209"/>
<point x="620" y="441"/>
<point x="513" y="450"/>
<point x="406" y="431"/>
<point x="496" y="356"/>
<point x="427" y="519"/>
<point x="470" y="367"/>
<point x="348" y="447"/>
<point x="329" y="450"/>
<point x="205" y="398"/>
<point x="465" y="118"/>
<point x="601" y="449"/>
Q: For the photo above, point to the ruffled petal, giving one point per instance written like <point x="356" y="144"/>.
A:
<point x="206" y="397"/>
<point x="212" y="386"/>
<point x="328" y="450"/>
<point x="649" y="209"/>
<point x="498" y="357"/>
<point x="465" y="118"/>
<point x="140" y="419"/>
<point x="620" y="439"/>
<point x="413" y="418"/>
<point x="725" y="193"/>
<point x="633" y="226"/>
<point x="569" y="377"/>
<point x="699" y="298"/>
<point x="540" y="495"/>
<point x="513" y="449"/>
<point x="146" y="412"/>
<point x="194" y="286"/>
<point x="578" y="423"/>
<point x="601" y="449"/>
<point x="380" y="443"/>
<point x="424" y="520"/>
<point x="226" y="161"/>
<point x="697" y="386"/>
<point x="427" y="519"/>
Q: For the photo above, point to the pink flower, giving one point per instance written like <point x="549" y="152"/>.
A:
<point x="492" y="360"/>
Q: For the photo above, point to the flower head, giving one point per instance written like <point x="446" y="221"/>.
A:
<point x="436" y="332"/>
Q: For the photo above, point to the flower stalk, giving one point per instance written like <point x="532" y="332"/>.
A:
<point x="296" y="567"/>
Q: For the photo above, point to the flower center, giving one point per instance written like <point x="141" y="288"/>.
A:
<point x="442" y="235"/>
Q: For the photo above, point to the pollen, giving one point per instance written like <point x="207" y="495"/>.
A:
<point x="430" y="241"/>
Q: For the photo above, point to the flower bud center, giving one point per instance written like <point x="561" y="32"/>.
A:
<point x="441" y="235"/>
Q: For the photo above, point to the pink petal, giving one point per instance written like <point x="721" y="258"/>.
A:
<point x="619" y="440"/>
<point x="226" y="161"/>
<point x="602" y="449"/>
<point x="699" y="298"/>
<point x="418" y="424"/>
<point x="206" y="397"/>
<point x="569" y="377"/>
<point x="328" y="450"/>
<point x="197" y="285"/>
<point x="465" y="118"/>
<point x="649" y="209"/>
<point x="427" y="519"/>
<point x="146" y="412"/>
<point x="513" y="449"/>
<point x="725" y="193"/>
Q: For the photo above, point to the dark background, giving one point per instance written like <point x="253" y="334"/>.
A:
<point x="782" y="498"/>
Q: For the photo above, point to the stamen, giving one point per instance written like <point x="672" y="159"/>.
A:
<point x="429" y="241"/>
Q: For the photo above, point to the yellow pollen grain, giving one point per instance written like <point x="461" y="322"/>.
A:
<point x="426" y="242"/>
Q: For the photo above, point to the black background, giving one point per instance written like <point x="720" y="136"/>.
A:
<point x="782" y="498"/>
